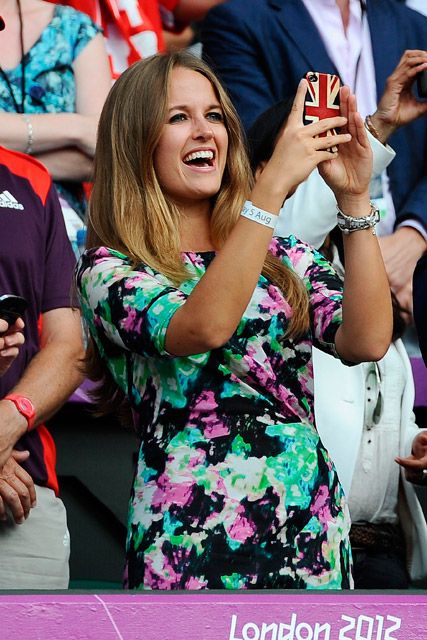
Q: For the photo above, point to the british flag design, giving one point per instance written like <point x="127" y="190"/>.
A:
<point x="322" y="99"/>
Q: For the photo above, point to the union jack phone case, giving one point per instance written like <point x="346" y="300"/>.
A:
<point x="322" y="99"/>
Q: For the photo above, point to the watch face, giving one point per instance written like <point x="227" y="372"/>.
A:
<point x="25" y="405"/>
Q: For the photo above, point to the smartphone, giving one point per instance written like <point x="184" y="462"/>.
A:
<point x="12" y="307"/>
<point x="322" y="99"/>
<point x="422" y="84"/>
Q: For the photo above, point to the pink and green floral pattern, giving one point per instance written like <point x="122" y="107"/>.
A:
<point x="233" y="488"/>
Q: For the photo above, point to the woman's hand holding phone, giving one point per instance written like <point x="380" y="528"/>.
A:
<point x="348" y="174"/>
<point x="300" y="148"/>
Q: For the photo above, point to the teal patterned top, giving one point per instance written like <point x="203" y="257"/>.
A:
<point x="233" y="488"/>
<point x="49" y="77"/>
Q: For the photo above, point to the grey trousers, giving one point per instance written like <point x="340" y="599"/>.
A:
<point x="35" y="554"/>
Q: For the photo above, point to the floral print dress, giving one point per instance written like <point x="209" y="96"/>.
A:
<point x="233" y="487"/>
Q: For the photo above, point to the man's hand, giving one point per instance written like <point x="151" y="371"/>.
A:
<point x="11" y="338"/>
<point x="17" y="491"/>
<point x="13" y="426"/>
<point x="56" y="367"/>
<point x="398" y="105"/>
<point x="415" y="465"/>
<point x="404" y="299"/>
<point x="401" y="251"/>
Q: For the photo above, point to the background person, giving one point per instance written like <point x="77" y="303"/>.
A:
<point x="15" y="483"/>
<point x="36" y="263"/>
<point x="233" y="488"/>
<point x="53" y="82"/>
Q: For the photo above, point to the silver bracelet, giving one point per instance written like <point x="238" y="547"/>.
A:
<point x="348" y="224"/>
<point x="251" y="212"/>
<point x="370" y="127"/>
<point x="30" y="138"/>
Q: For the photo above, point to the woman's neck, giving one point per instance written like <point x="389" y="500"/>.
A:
<point x="195" y="228"/>
<point x="36" y="15"/>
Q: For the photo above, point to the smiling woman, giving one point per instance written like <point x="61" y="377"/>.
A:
<point x="190" y="156"/>
<point x="203" y="324"/>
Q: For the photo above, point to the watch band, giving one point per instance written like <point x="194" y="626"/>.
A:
<point x="348" y="224"/>
<point x="24" y="406"/>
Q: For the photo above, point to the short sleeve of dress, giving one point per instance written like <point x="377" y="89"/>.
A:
<point x="130" y="307"/>
<point x="78" y="28"/>
<point x="324" y="287"/>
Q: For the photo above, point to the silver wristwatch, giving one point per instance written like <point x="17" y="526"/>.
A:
<point x="348" y="224"/>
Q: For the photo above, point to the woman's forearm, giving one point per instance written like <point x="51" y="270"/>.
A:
<point x="38" y="133"/>
<point x="365" y="333"/>
<point x="214" y="308"/>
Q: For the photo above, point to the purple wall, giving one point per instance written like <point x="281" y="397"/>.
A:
<point x="213" y="616"/>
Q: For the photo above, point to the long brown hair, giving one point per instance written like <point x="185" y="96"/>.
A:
<point x="128" y="210"/>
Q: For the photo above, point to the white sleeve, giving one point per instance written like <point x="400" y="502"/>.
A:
<point x="310" y="213"/>
<point x="382" y="155"/>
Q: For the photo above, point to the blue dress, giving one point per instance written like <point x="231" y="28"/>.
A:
<point x="49" y="77"/>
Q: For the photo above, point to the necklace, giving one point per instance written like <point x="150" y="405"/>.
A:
<point x="19" y="108"/>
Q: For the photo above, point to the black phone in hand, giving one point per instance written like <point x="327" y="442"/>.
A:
<point x="12" y="307"/>
<point x="422" y="84"/>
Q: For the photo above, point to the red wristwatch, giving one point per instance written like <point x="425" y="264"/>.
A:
<point x="24" y="406"/>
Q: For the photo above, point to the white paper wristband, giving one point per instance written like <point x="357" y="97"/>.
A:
<point x="251" y="212"/>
